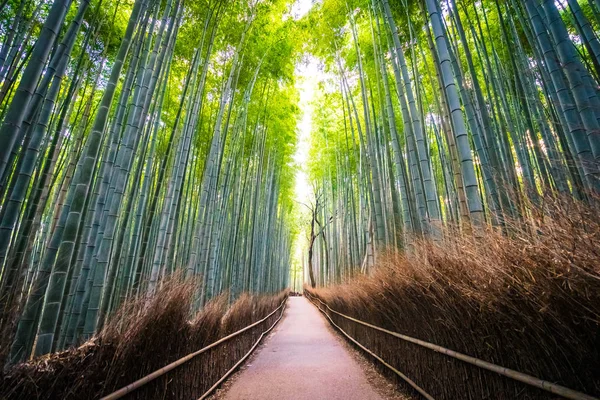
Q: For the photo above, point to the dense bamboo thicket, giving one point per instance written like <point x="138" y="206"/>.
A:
<point x="142" y="138"/>
<point x="142" y="337"/>
<point x="455" y="171"/>
<point x="446" y="113"/>
<point x="139" y="138"/>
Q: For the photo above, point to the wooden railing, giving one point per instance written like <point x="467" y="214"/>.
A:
<point x="497" y="369"/>
<point x="198" y="374"/>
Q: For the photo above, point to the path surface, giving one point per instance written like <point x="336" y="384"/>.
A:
<point x="302" y="360"/>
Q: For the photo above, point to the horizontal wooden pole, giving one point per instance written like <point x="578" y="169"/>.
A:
<point x="150" y="377"/>
<point x="510" y="373"/>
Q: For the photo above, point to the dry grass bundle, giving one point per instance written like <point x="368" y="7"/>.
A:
<point x="529" y="301"/>
<point x="248" y="309"/>
<point x="143" y="336"/>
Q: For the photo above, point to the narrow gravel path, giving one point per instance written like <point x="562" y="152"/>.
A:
<point x="302" y="360"/>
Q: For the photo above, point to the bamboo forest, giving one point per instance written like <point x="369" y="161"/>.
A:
<point x="178" y="173"/>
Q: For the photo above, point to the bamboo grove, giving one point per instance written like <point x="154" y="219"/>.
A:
<point x="447" y="115"/>
<point x="142" y="138"/>
<point x="139" y="139"/>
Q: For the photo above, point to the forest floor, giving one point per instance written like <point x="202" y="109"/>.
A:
<point x="305" y="359"/>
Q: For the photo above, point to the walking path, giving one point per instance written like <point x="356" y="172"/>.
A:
<point x="302" y="360"/>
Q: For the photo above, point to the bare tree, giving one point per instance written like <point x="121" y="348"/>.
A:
<point x="316" y="229"/>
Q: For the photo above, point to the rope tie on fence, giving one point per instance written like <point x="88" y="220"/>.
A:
<point x="150" y="377"/>
<point x="507" y="372"/>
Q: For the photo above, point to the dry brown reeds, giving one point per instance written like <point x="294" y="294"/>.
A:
<point x="144" y="335"/>
<point x="527" y="299"/>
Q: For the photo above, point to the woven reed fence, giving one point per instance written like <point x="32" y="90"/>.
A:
<point x="435" y="372"/>
<point x="197" y="374"/>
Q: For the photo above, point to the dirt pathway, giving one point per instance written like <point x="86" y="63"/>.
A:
<point x="303" y="359"/>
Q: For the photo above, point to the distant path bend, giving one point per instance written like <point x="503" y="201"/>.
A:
<point x="303" y="360"/>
